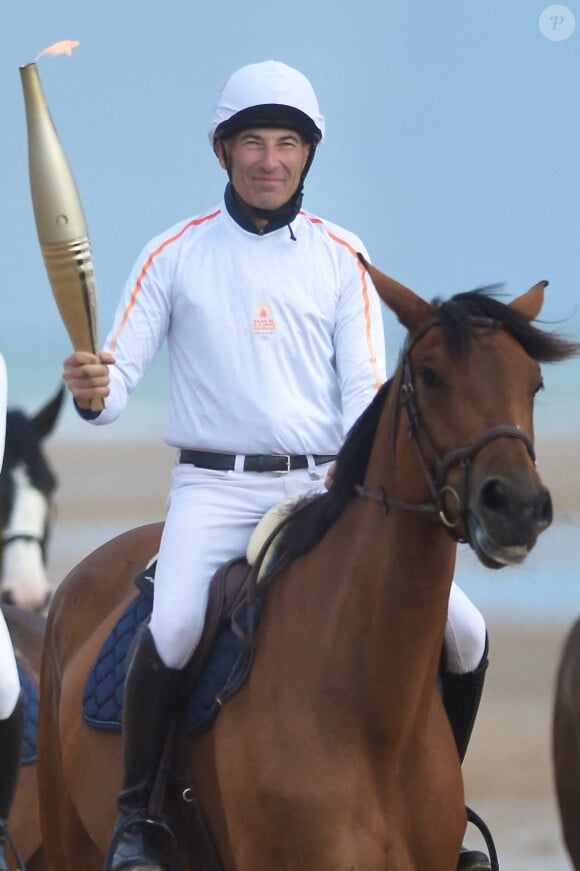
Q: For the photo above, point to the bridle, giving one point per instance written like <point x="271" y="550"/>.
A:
<point x="436" y="467"/>
<point x="10" y="536"/>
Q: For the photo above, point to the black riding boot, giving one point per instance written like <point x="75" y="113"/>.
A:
<point x="149" y="701"/>
<point x="11" y="731"/>
<point x="461" y="698"/>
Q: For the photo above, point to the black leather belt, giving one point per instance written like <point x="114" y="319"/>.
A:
<point x="252" y="462"/>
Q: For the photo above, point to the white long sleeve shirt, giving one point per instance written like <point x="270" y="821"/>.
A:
<point x="275" y="345"/>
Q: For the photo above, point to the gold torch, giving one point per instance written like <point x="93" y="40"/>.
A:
<point x="60" y="222"/>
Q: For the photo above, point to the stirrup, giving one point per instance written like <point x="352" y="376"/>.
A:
<point x="146" y="821"/>
<point x="477" y="821"/>
<point x="472" y="860"/>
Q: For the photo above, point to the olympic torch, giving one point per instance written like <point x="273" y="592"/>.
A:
<point x="60" y="222"/>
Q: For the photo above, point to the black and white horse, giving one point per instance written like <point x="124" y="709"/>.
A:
<point x="27" y="485"/>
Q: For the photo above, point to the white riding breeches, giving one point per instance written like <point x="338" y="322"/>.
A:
<point x="9" y="679"/>
<point x="465" y="634"/>
<point x="210" y="518"/>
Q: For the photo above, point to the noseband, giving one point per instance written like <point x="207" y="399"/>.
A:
<point x="437" y="467"/>
<point x="10" y="535"/>
<point x="40" y="540"/>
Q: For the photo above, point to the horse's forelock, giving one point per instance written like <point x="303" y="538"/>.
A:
<point x="456" y="316"/>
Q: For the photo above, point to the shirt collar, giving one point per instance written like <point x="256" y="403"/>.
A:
<point x="277" y="218"/>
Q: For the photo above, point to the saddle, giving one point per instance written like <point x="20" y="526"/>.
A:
<point x="218" y="668"/>
<point x="224" y="655"/>
<point x="30" y="700"/>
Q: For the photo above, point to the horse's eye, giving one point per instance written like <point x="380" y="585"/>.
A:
<point x="429" y="377"/>
<point x="539" y="387"/>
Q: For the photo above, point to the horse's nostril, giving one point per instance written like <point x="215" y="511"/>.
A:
<point x="494" y="495"/>
<point x="546" y="510"/>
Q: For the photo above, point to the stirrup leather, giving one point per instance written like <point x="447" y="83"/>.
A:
<point x="493" y="862"/>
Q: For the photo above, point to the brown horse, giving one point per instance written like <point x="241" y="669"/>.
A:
<point x="27" y="633"/>
<point x="336" y="754"/>
<point x="566" y="742"/>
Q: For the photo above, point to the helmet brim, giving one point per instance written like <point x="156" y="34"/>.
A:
<point x="269" y="115"/>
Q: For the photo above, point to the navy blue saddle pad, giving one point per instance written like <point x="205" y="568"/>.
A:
<point x="30" y="699"/>
<point x="103" y="697"/>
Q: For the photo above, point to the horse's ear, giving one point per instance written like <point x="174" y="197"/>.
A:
<point x="410" y="309"/>
<point x="530" y="304"/>
<point x="45" y="419"/>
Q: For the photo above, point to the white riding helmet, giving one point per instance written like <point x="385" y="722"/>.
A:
<point x="268" y="94"/>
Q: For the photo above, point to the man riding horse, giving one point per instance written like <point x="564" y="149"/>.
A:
<point x="276" y="347"/>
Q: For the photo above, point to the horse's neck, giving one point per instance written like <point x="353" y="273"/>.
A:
<point x="361" y="618"/>
<point x="388" y="601"/>
<point x="412" y="553"/>
<point x="403" y="577"/>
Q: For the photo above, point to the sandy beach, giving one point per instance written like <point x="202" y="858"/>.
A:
<point x="107" y="487"/>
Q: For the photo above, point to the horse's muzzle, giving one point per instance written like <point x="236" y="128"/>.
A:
<point x="505" y="518"/>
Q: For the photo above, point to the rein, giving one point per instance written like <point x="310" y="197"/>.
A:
<point x="436" y="470"/>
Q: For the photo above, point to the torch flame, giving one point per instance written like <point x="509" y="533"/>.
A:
<point x="65" y="46"/>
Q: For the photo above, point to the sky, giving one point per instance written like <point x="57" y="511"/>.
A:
<point x="452" y="148"/>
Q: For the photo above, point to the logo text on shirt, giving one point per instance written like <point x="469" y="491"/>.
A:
<point x="263" y="322"/>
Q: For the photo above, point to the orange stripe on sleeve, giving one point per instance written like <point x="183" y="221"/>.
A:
<point x="138" y="284"/>
<point x="365" y="293"/>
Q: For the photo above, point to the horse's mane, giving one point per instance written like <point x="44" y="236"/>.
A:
<point x="318" y="513"/>
<point x="456" y="316"/>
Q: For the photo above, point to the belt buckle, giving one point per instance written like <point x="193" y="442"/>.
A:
<point x="288" y="459"/>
